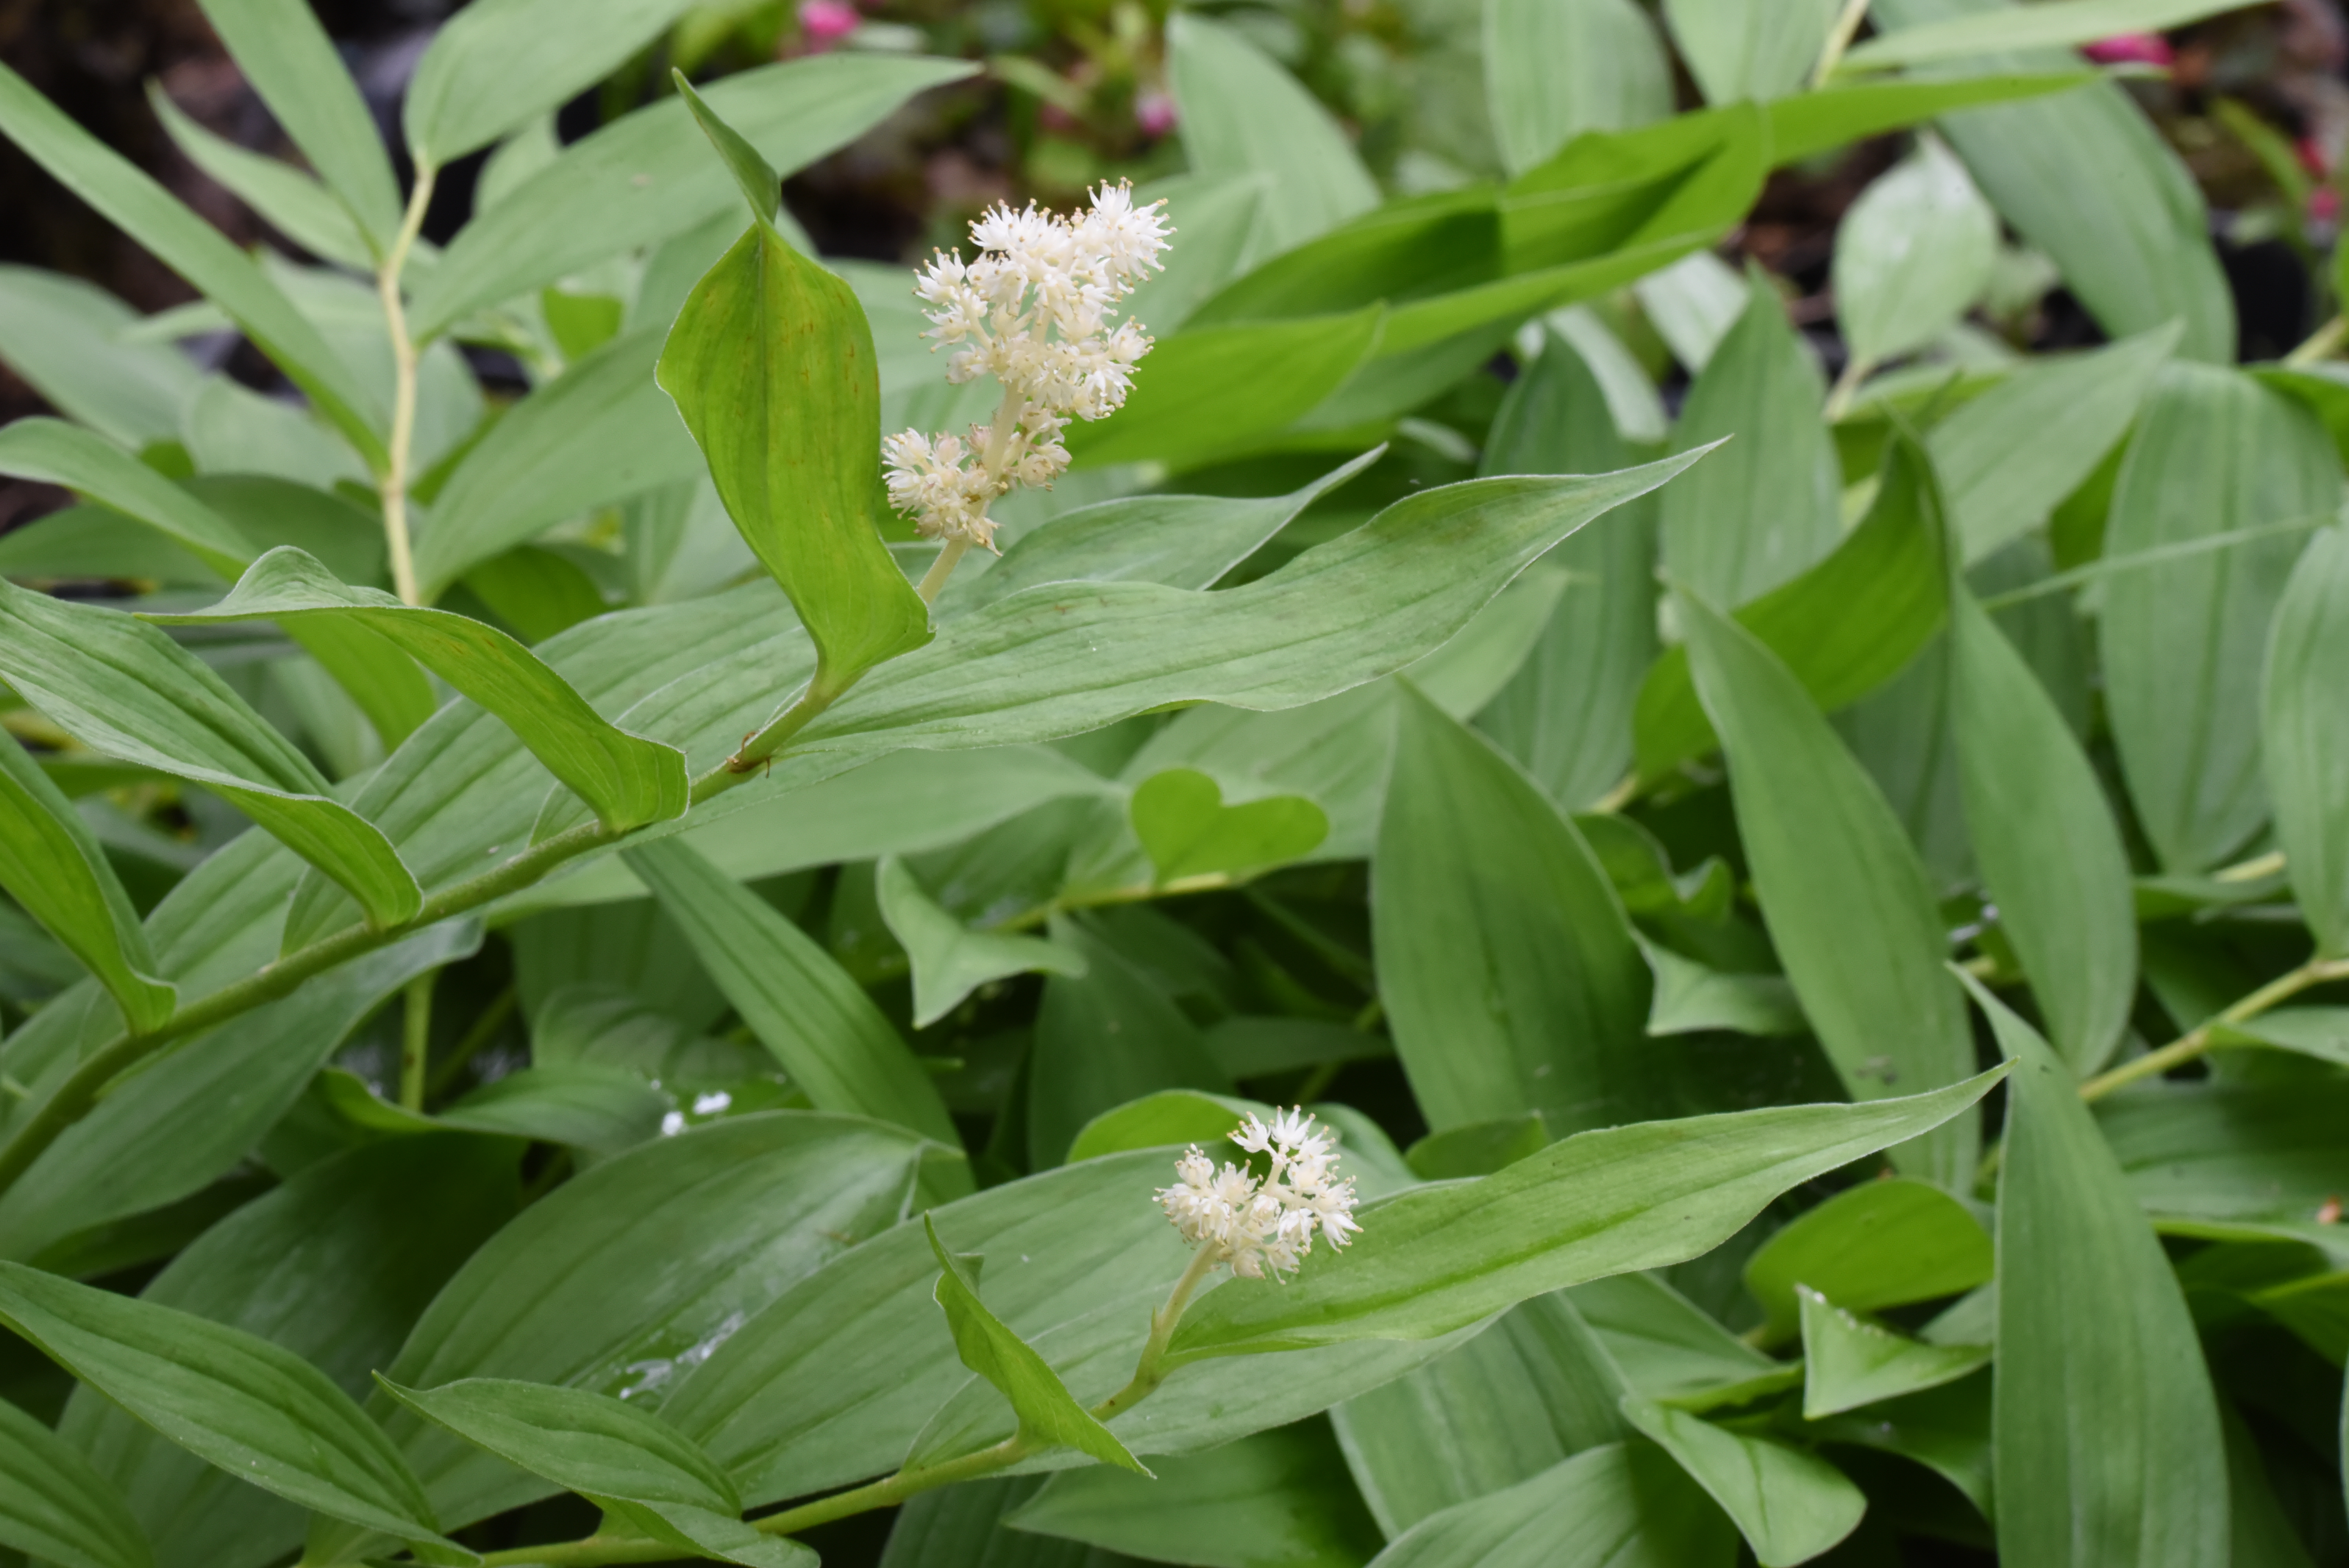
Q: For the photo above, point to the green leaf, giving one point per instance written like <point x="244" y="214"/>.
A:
<point x="627" y="781"/>
<point x="1566" y="713"/>
<point x="1737" y="51"/>
<point x="54" y="452"/>
<point x="2007" y="458"/>
<point x="1243" y="114"/>
<point x="649" y="176"/>
<point x="1822" y="845"/>
<point x="55" y="1507"/>
<point x="1187" y="830"/>
<point x="1764" y="509"/>
<point x="2182" y="640"/>
<point x="2134" y="243"/>
<point x="1049" y="1417"/>
<point x="627" y="1460"/>
<point x="1598" y="1204"/>
<point x="2107" y="1431"/>
<point x="2305" y="735"/>
<point x="124" y="688"/>
<point x="1790" y="1505"/>
<point x="950" y="960"/>
<point x="2320" y="1032"/>
<point x="1671" y="1350"/>
<point x="1848" y="1361"/>
<point x="1169" y="1117"/>
<point x="1072" y="1080"/>
<point x="2051" y="855"/>
<point x="1880" y="1243"/>
<point x="52" y="864"/>
<point x="1182" y="541"/>
<point x="188" y="1120"/>
<point x="1621" y="1506"/>
<point x="835" y="1382"/>
<point x="1810" y="123"/>
<point x="134" y="202"/>
<point x="1205" y="392"/>
<point x="1946" y="1430"/>
<point x="1479" y="1148"/>
<point x="820" y="1025"/>
<point x="1690" y="997"/>
<point x="285" y="197"/>
<point x="509" y="60"/>
<point x="2059" y="24"/>
<point x="1556" y="68"/>
<point x="1277" y="1498"/>
<point x="772" y="365"/>
<point x="333" y="1265"/>
<point x="762" y="187"/>
<point x="2234" y="1151"/>
<point x="625" y="1277"/>
<point x="286" y="56"/>
<point x="63" y="336"/>
<point x="239" y="1402"/>
<point x="1508" y="970"/>
<point x="1535" y="1388"/>
<point x="599" y="433"/>
<point x="1912" y="255"/>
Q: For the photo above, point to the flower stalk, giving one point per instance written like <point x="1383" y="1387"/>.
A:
<point x="391" y="485"/>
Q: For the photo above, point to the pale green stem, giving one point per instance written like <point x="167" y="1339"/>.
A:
<point x="1847" y="27"/>
<point x="415" y="1041"/>
<point x="1847" y="387"/>
<point x="2320" y="343"/>
<point x="935" y="579"/>
<point x="392" y="483"/>
<point x="2187" y="1046"/>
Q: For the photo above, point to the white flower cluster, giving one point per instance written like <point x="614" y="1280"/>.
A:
<point x="1034" y="311"/>
<point x="1264" y="1227"/>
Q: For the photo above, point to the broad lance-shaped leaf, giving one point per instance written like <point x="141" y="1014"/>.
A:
<point x="951" y="961"/>
<point x="649" y="176"/>
<point x="771" y="363"/>
<point x="827" y="1033"/>
<point x="1841" y="888"/>
<point x="627" y="1460"/>
<point x="122" y="687"/>
<point x="2059" y="25"/>
<point x="1844" y="627"/>
<point x="2305" y="735"/>
<point x="599" y="433"/>
<point x="509" y="59"/>
<point x="1622" y="1505"/>
<point x="1881" y="1244"/>
<point x="133" y="201"/>
<point x="285" y="54"/>
<point x="53" y="866"/>
<point x="1049" y="1417"/>
<point x="2182" y="639"/>
<point x="630" y="781"/>
<point x="1848" y="1362"/>
<point x="1506" y="963"/>
<point x="2107" y="1429"/>
<point x="1807" y="124"/>
<point x="2050" y="854"/>
<point x="1789" y="1505"/>
<point x="54" y="452"/>
<point x="53" y="1507"/>
<point x="1626" y="1198"/>
<point x="228" y="1396"/>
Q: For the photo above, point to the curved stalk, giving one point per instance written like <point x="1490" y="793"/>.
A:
<point x="391" y="485"/>
<point x="2196" y="1041"/>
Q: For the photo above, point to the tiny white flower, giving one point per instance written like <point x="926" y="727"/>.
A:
<point x="1264" y="1228"/>
<point x="1035" y="312"/>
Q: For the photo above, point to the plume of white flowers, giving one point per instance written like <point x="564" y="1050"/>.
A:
<point x="1035" y="311"/>
<point x="1264" y="1227"/>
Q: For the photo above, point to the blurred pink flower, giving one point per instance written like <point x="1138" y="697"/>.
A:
<point x="2131" y="48"/>
<point x="1153" y="111"/>
<point x="827" y="22"/>
<point x="2324" y="204"/>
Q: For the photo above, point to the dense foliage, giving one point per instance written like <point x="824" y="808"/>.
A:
<point x="584" y="965"/>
